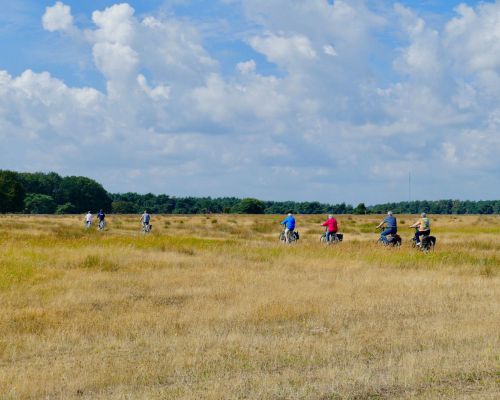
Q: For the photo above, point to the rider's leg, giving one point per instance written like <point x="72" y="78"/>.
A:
<point x="287" y="235"/>
<point x="420" y="233"/>
<point x="423" y="234"/>
<point x="384" y="233"/>
<point x="330" y="236"/>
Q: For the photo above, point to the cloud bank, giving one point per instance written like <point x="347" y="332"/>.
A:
<point x="357" y="99"/>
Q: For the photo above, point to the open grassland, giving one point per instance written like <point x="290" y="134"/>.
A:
<point x="213" y="307"/>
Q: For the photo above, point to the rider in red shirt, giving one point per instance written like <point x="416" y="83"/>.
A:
<point x="331" y="224"/>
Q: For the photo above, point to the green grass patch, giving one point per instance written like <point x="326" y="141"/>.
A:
<point x="15" y="272"/>
<point x="95" y="261"/>
<point x="404" y="258"/>
<point x="265" y="227"/>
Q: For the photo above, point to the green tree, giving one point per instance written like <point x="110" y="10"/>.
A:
<point x="35" y="203"/>
<point x="84" y="193"/>
<point x="249" y="206"/>
<point x="360" y="209"/>
<point x="123" y="207"/>
<point x="66" y="208"/>
<point x="41" y="183"/>
<point x="11" y="192"/>
<point x="485" y="207"/>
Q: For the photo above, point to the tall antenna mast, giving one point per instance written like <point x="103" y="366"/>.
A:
<point x="409" y="186"/>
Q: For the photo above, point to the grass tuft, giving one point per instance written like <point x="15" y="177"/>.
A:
<point x="94" y="261"/>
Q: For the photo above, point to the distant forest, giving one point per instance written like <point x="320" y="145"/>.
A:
<point x="40" y="193"/>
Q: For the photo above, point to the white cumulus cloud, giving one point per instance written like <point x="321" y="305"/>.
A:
<point x="57" y="18"/>
<point x="284" y="50"/>
<point x="327" y="103"/>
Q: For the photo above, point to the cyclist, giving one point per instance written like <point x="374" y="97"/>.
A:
<point x="424" y="228"/>
<point x="100" y="217"/>
<point x="332" y="227"/>
<point x="88" y="220"/>
<point x="289" y="223"/>
<point x="391" y="227"/>
<point x="145" y="218"/>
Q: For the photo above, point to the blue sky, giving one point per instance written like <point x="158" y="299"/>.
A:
<point x="276" y="99"/>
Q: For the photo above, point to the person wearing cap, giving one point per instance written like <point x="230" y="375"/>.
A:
<point x="332" y="227"/>
<point x="424" y="227"/>
<point x="88" y="220"/>
<point x="289" y="223"/>
<point x="391" y="226"/>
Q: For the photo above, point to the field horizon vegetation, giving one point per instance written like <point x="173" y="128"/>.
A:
<point x="215" y="307"/>
<point x="50" y="193"/>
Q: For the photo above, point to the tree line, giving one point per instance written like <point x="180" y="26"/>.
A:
<point x="50" y="193"/>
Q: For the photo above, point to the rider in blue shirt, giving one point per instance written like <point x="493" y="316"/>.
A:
<point x="101" y="216"/>
<point x="391" y="226"/>
<point x="145" y="218"/>
<point x="289" y="223"/>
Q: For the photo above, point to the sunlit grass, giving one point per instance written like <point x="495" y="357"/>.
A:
<point x="215" y="307"/>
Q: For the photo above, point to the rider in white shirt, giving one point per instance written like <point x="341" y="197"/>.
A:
<point x="88" y="220"/>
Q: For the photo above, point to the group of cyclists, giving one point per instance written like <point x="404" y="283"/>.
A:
<point x="145" y="220"/>
<point x="389" y="226"/>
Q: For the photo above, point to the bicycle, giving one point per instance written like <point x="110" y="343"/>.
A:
<point x="293" y="236"/>
<point x="146" y="228"/>
<point x="427" y="242"/>
<point x="394" y="239"/>
<point x="334" y="239"/>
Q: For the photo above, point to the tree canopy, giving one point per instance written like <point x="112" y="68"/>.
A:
<point x="249" y="206"/>
<point x="12" y="192"/>
<point x="50" y="193"/>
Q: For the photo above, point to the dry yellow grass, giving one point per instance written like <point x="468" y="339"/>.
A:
<point x="213" y="307"/>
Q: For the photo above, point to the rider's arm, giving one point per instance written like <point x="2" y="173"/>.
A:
<point x="382" y="223"/>
<point x="415" y="224"/>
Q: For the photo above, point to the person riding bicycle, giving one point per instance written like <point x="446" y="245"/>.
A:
<point x="423" y="226"/>
<point x="289" y="223"/>
<point x="391" y="227"/>
<point x="100" y="217"/>
<point x="332" y="227"/>
<point x="145" y="218"/>
<point x="88" y="219"/>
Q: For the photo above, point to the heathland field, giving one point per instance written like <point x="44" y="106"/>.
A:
<point x="214" y="307"/>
